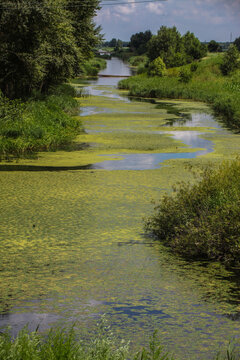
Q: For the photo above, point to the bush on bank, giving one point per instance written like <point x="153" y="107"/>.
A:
<point x="206" y="83"/>
<point x="202" y="220"/>
<point x="41" y="124"/>
<point x="93" y="66"/>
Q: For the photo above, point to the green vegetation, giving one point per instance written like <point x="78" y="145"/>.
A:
<point x="213" y="46"/>
<point x="237" y="43"/>
<point x="174" y="49"/>
<point x="43" y="44"/>
<point x="138" y="60"/>
<point x="93" y="66"/>
<point x="43" y="123"/>
<point x="157" y="67"/>
<point x="230" y="60"/>
<point x="138" y="42"/>
<point x="202" y="220"/>
<point x="63" y="344"/>
<point x="206" y="83"/>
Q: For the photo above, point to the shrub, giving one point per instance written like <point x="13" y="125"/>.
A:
<point x="141" y="69"/>
<point x="137" y="60"/>
<point x="185" y="75"/>
<point x="157" y="67"/>
<point x="203" y="220"/>
<point x="194" y="67"/>
<point x="230" y="60"/>
<point x="37" y="125"/>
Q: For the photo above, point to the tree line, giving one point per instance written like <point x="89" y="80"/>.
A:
<point x="43" y="43"/>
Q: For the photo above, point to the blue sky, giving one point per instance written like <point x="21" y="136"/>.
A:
<point x="207" y="19"/>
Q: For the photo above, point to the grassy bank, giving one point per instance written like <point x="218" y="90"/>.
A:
<point x="203" y="220"/>
<point x="93" y="66"/>
<point x="40" y="124"/>
<point x="64" y="344"/>
<point x="206" y="83"/>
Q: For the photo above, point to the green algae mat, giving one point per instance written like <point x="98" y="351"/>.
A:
<point x="72" y="245"/>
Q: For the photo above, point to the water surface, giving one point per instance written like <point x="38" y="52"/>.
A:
<point x="72" y="245"/>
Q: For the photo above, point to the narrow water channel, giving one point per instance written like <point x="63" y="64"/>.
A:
<point x="72" y="245"/>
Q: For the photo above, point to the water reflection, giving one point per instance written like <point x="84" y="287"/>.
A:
<point x="193" y="120"/>
<point x="193" y="139"/>
<point x="32" y="320"/>
<point x="144" y="161"/>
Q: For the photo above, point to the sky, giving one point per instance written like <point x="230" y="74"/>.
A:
<point x="207" y="19"/>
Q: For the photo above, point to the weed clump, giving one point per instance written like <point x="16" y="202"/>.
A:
<point x="203" y="220"/>
<point x="42" y="123"/>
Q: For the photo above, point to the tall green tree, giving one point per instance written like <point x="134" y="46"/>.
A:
<point x="165" y="44"/>
<point x="174" y="49"/>
<point x="237" y="43"/>
<point x="42" y="42"/>
<point x="138" y="42"/>
<point x="86" y="33"/>
<point x="230" y="60"/>
<point x="214" y="46"/>
<point x="194" y="49"/>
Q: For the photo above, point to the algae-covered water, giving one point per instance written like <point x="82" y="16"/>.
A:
<point x="72" y="245"/>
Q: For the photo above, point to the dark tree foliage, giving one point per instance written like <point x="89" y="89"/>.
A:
<point x="214" y="46"/>
<point x="42" y="42"/>
<point x="112" y="43"/>
<point x="138" y="42"/>
<point x="174" y="49"/>
<point x="237" y="43"/>
<point x="85" y="32"/>
<point x="230" y="60"/>
<point x="119" y="45"/>
<point x="194" y="49"/>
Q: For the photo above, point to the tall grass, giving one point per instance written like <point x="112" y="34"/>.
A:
<point x="203" y="220"/>
<point x="207" y="84"/>
<point x="64" y="344"/>
<point x="42" y="123"/>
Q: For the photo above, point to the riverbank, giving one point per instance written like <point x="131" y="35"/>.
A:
<point x="43" y="123"/>
<point x="206" y="84"/>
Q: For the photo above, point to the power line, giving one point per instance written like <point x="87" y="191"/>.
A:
<point x="131" y="2"/>
<point x="10" y="6"/>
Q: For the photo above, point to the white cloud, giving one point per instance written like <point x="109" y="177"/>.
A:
<point x="126" y="9"/>
<point x="155" y="8"/>
<point x="208" y="19"/>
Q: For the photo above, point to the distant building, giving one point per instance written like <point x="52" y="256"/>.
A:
<point x="103" y="53"/>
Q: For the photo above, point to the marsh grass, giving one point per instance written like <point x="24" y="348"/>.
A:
<point x="64" y="344"/>
<point x="206" y="84"/>
<point x="202" y="220"/>
<point x="40" y="124"/>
